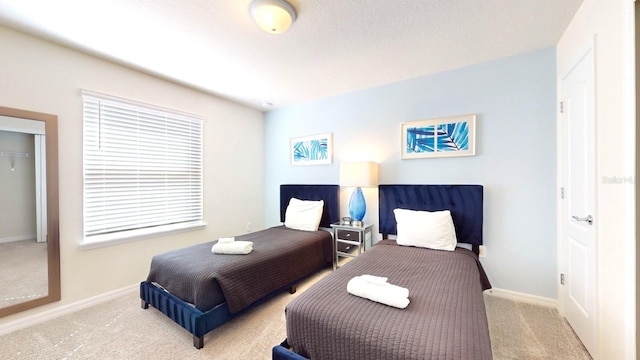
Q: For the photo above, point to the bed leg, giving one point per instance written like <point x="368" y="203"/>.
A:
<point x="198" y="342"/>
<point x="285" y="344"/>
<point x="144" y="304"/>
<point x="292" y="289"/>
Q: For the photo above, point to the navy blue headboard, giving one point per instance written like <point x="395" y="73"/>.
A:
<point x="464" y="202"/>
<point x="329" y="193"/>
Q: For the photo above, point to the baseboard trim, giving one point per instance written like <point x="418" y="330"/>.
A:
<point x="527" y="298"/>
<point x="56" y="312"/>
<point x="18" y="238"/>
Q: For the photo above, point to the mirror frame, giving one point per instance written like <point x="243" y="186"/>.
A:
<point x="53" y="235"/>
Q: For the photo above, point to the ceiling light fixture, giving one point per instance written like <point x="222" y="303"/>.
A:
<point x="273" y="16"/>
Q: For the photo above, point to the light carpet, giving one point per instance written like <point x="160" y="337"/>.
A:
<point x="120" y="329"/>
<point x="27" y="279"/>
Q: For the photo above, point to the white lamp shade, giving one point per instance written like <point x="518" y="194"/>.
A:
<point x="273" y="16"/>
<point x="359" y="173"/>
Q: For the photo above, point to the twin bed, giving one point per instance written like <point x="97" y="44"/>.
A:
<point x="200" y="290"/>
<point x="445" y="318"/>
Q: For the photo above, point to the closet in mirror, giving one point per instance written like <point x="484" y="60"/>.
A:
<point x="29" y="239"/>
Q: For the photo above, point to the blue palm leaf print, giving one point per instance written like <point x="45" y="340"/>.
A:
<point x="421" y="139"/>
<point x="437" y="138"/>
<point x="310" y="150"/>
<point x="453" y="137"/>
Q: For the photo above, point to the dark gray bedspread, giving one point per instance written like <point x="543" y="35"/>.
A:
<point x="280" y="256"/>
<point x="445" y="319"/>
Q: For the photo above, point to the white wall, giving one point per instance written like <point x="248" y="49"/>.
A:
<point x="40" y="76"/>
<point x="514" y="99"/>
<point x="611" y="22"/>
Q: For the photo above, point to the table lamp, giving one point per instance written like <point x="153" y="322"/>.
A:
<point x="358" y="174"/>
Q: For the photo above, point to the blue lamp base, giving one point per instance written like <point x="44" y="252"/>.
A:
<point x="357" y="206"/>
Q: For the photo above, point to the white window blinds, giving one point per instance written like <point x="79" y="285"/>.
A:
<point x="142" y="167"/>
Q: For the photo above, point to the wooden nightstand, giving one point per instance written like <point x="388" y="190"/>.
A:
<point x="350" y="241"/>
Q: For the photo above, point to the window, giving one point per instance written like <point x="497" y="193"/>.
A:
<point x="142" y="169"/>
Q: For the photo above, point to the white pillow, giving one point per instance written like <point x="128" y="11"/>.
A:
<point x="303" y="214"/>
<point x="429" y="229"/>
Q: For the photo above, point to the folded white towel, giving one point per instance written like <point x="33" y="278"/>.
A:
<point x="384" y="293"/>
<point x="378" y="280"/>
<point x="374" y="279"/>
<point x="226" y="240"/>
<point x="234" y="247"/>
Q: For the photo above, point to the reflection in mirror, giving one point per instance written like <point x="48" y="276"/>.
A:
<point x="29" y="244"/>
<point x="22" y="249"/>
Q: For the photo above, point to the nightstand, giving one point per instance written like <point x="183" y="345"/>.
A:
<point x="350" y="241"/>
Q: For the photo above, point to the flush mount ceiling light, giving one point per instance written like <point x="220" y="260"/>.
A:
<point x="273" y="16"/>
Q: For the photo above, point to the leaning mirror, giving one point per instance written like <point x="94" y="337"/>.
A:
<point x="29" y="239"/>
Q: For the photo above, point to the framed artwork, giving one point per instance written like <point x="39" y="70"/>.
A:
<point x="311" y="150"/>
<point x="444" y="137"/>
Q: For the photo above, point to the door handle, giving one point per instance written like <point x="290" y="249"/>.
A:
<point x="588" y="219"/>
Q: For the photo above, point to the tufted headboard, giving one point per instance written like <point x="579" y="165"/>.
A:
<point x="464" y="201"/>
<point x="329" y="193"/>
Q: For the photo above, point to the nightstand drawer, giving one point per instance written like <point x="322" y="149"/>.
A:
<point x="348" y="235"/>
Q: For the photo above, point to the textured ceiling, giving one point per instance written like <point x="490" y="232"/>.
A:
<point x="334" y="47"/>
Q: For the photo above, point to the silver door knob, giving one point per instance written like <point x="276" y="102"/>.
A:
<point x="588" y="219"/>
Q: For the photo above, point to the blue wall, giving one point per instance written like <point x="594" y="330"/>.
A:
<point x="514" y="100"/>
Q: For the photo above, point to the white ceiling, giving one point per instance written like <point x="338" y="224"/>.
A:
<point x="334" y="47"/>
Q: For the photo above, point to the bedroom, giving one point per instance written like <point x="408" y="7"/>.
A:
<point x="360" y="121"/>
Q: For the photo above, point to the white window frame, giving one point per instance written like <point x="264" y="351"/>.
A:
<point x="142" y="170"/>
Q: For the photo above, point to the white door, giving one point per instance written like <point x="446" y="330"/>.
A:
<point x="578" y="251"/>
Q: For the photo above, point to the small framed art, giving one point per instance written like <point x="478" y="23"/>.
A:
<point x="311" y="150"/>
<point x="444" y="137"/>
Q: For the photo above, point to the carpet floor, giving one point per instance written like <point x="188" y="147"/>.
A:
<point x="27" y="279"/>
<point x="120" y="329"/>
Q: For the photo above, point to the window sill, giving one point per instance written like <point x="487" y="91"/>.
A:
<point x="135" y="235"/>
